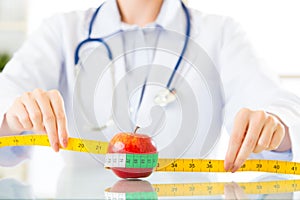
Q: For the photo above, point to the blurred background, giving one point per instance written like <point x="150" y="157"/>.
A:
<point x="272" y="26"/>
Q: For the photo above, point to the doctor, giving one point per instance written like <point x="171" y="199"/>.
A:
<point x="36" y="85"/>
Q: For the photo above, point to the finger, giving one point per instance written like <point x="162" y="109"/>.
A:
<point x="277" y="138"/>
<point x="229" y="191"/>
<point x="34" y="111"/>
<point x="14" y="123"/>
<point x="236" y="138"/>
<point x="255" y="127"/>
<point x="23" y="116"/>
<point x="48" y="118"/>
<point x="238" y="191"/>
<point x="59" y="111"/>
<point x="266" y="136"/>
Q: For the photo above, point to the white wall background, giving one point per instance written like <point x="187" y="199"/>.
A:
<point x="272" y="25"/>
<point x="40" y="9"/>
<point x="12" y="24"/>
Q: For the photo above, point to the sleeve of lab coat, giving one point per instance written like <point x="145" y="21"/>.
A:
<point x="10" y="156"/>
<point x="37" y="64"/>
<point x="248" y="84"/>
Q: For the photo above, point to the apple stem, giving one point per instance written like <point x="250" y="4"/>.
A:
<point x="136" y="128"/>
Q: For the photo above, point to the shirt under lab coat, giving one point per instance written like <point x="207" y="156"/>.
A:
<point x="46" y="60"/>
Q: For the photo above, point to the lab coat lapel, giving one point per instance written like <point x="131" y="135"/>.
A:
<point x="108" y="20"/>
<point x="172" y="17"/>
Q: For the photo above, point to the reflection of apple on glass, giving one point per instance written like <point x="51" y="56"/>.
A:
<point x="133" y="189"/>
<point x="132" y="143"/>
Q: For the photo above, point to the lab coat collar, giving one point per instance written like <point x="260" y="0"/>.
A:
<point x="172" y="17"/>
<point x="108" y="21"/>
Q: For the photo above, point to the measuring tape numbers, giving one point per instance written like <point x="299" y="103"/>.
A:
<point x="131" y="160"/>
<point x="204" y="165"/>
<point x="152" y="160"/>
<point x="74" y="144"/>
<point x="217" y="188"/>
<point x="207" y="189"/>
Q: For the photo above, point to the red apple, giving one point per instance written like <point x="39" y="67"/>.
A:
<point x="132" y="143"/>
<point x="133" y="189"/>
<point x="132" y="185"/>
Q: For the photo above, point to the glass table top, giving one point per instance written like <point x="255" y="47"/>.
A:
<point x="100" y="183"/>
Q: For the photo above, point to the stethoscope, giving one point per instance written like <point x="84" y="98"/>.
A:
<point x="165" y="96"/>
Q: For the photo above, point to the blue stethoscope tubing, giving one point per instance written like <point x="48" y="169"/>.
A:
<point x="110" y="56"/>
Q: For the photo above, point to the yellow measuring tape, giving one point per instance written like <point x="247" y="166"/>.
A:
<point x="218" y="188"/>
<point x="74" y="144"/>
<point x="168" y="165"/>
<point x="209" y="189"/>
<point x="183" y="165"/>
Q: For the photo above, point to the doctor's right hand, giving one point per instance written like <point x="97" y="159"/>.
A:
<point x="39" y="111"/>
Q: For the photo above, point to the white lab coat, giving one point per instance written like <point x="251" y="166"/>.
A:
<point x="46" y="60"/>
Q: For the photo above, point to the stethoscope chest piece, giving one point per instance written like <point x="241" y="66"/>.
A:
<point x="165" y="97"/>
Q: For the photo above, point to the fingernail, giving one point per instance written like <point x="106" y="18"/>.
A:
<point x="234" y="169"/>
<point x="56" y="147"/>
<point x="229" y="169"/>
<point x="226" y="168"/>
<point x="65" y="143"/>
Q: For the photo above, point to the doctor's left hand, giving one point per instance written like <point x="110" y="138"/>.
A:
<point x="39" y="110"/>
<point x="253" y="132"/>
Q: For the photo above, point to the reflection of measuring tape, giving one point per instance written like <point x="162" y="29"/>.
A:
<point x="170" y="165"/>
<point x="217" y="188"/>
<point x="130" y="195"/>
<point x="209" y="188"/>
